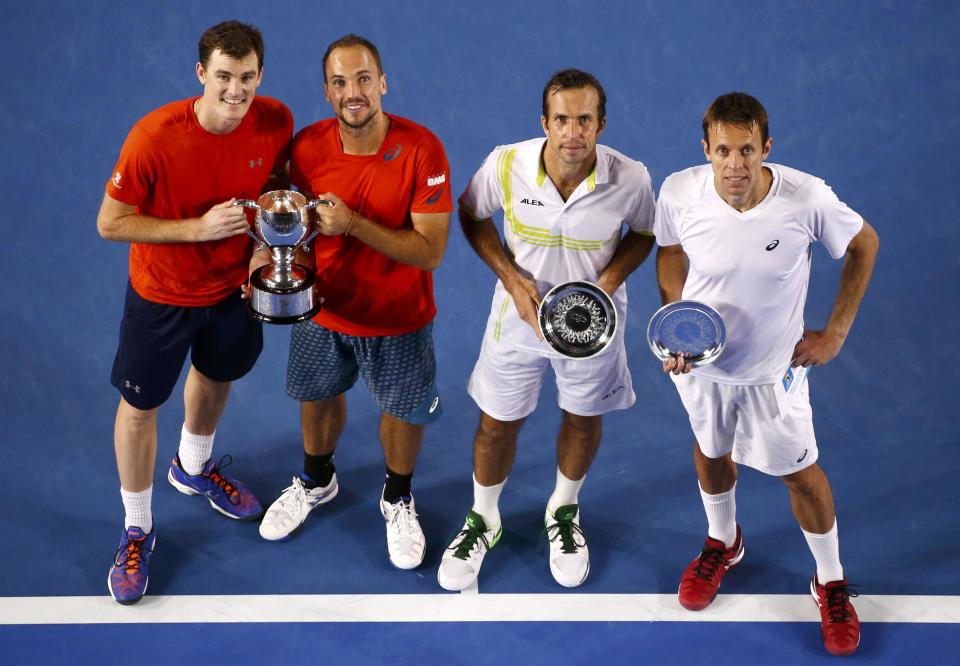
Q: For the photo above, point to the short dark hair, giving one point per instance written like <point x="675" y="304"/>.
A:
<point x="739" y="109"/>
<point x="234" y="39"/>
<point x="351" y="40"/>
<point x="570" y="79"/>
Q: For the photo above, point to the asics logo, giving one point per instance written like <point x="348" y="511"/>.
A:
<point x="434" y="198"/>
<point x="434" y="405"/>
<point x="773" y="245"/>
<point x="393" y="153"/>
<point x="436" y="180"/>
<point x="800" y="459"/>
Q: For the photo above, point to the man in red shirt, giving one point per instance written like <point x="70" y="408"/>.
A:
<point x="171" y="196"/>
<point x="389" y="182"/>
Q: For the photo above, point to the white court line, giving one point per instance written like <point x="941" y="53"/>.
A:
<point x="462" y="608"/>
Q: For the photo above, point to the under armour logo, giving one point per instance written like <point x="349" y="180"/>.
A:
<point x="256" y="163"/>
<point x="116" y="181"/>
<point x="129" y="385"/>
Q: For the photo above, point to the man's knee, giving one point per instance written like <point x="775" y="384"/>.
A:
<point x="587" y="425"/>
<point x="808" y="481"/>
<point x="496" y="430"/>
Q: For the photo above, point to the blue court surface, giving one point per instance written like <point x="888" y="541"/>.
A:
<point x="862" y="93"/>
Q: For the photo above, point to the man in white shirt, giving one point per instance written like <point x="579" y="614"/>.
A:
<point x="565" y="201"/>
<point x="736" y="234"/>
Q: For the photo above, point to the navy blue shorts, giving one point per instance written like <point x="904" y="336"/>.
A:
<point x="399" y="370"/>
<point x="223" y="341"/>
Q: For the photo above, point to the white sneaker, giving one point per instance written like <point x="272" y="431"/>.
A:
<point x="569" y="556"/>
<point x="406" y="544"/>
<point x="462" y="558"/>
<point x="289" y="511"/>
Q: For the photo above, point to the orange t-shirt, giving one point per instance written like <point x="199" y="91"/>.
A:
<point x="365" y="292"/>
<point x="171" y="168"/>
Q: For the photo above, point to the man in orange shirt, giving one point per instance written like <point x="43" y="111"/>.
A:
<point x="171" y="196"/>
<point x="389" y="182"/>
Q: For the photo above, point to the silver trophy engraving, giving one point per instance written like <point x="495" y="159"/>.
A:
<point x="283" y="291"/>
<point x="689" y="329"/>
<point x="577" y="319"/>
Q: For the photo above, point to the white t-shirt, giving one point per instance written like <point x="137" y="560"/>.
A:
<point x="753" y="267"/>
<point x="551" y="240"/>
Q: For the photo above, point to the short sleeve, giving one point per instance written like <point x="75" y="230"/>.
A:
<point x="665" y="225"/>
<point x="431" y="189"/>
<point x="136" y="169"/>
<point x="833" y="222"/>
<point x="484" y="196"/>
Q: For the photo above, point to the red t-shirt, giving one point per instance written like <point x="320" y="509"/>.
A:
<point x="365" y="292"/>
<point x="171" y="168"/>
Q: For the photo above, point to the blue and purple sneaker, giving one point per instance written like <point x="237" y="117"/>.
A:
<point x="226" y="495"/>
<point x="127" y="580"/>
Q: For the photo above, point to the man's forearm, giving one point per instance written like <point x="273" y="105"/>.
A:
<point x="631" y="252"/>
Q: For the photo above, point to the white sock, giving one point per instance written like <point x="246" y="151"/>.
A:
<point x="721" y="515"/>
<point x="564" y="493"/>
<point x="826" y="551"/>
<point x="485" y="502"/>
<point x="195" y="450"/>
<point x="137" y="511"/>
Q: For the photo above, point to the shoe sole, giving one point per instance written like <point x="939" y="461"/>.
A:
<point x="187" y="490"/>
<point x="816" y="601"/>
<point x="733" y="563"/>
<point x="129" y="602"/>
<point x="287" y="536"/>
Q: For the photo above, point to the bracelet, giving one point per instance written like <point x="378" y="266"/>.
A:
<point x="353" y="216"/>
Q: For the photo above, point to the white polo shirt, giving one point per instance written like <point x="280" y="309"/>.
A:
<point x="551" y="240"/>
<point x="753" y="267"/>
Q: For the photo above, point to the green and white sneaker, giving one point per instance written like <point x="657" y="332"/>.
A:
<point x="462" y="558"/>
<point x="569" y="556"/>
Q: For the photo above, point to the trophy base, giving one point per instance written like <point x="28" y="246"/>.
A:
<point x="282" y="305"/>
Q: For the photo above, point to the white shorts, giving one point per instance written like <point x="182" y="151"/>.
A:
<point x="746" y="421"/>
<point x="506" y="382"/>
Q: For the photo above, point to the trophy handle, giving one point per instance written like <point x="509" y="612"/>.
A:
<point x="319" y="202"/>
<point x="303" y="243"/>
<point x="246" y="203"/>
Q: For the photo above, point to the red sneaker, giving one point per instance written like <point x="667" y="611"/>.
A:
<point x="839" y="624"/>
<point x="701" y="580"/>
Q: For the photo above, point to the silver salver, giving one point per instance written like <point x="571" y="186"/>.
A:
<point x="689" y="329"/>
<point x="283" y="291"/>
<point x="577" y="319"/>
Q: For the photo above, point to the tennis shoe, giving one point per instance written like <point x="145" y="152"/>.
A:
<point x="225" y="494"/>
<point x="291" y="509"/>
<point x="701" y="579"/>
<point x="461" y="561"/>
<point x="839" y="624"/>
<point x="569" y="555"/>
<point x="130" y="571"/>
<point x="406" y="544"/>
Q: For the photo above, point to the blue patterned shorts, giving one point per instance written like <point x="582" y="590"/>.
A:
<point x="399" y="370"/>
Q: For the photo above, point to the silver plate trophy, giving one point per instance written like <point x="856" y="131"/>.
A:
<point x="577" y="319"/>
<point x="690" y="329"/>
<point x="282" y="292"/>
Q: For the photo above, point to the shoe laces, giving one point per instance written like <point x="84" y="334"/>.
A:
<point x="222" y="482"/>
<point x="838" y="602"/>
<point x="472" y="538"/>
<point x="293" y="496"/>
<point x="402" y="516"/>
<point x="566" y="530"/>
<point x="709" y="562"/>
<point x="131" y="557"/>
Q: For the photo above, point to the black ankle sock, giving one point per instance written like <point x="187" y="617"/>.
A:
<point x="397" y="486"/>
<point x="319" y="469"/>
